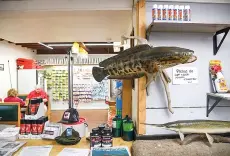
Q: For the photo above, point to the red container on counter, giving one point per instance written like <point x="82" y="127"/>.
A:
<point x="23" y="127"/>
<point x="40" y="126"/>
<point x="34" y="129"/>
<point x="28" y="126"/>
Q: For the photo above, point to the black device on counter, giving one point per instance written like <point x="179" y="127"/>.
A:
<point x="70" y="116"/>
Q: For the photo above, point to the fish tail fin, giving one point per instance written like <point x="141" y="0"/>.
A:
<point x="98" y="74"/>
<point x="154" y="125"/>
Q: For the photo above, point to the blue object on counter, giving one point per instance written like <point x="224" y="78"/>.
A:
<point x="69" y="132"/>
<point x="119" y="98"/>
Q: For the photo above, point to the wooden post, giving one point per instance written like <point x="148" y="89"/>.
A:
<point x="127" y="98"/>
<point x="127" y="91"/>
<point x="141" y="104"/>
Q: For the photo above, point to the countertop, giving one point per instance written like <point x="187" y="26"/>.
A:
<point x="57" y="148"/>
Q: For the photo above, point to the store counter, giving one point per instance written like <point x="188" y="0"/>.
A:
<point x="57" y="148"/>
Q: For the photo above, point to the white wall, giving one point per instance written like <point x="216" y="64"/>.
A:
<point x="189" y="101"/>
<point x="11" y="52"/>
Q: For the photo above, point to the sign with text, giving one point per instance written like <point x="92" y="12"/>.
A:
<point x="185" y="75"/>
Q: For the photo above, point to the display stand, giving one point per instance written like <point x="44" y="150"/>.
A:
<point x="39" y="114"/>
<point x="54" y="130"/>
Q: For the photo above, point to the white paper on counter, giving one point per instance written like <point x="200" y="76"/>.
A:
<point x="74" y="152"/>
<point x="36" y="151"/>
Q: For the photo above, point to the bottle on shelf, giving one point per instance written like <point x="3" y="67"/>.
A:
<point x="165" y="12"/>
<point x="107" y="138"/>
<point x="116" y="126"/>
<point x="175" y="12"/>
<point x="159" y="12"/>
<point x="188" y="12"/>
<point x="95" y="138"/>
<point x="180" y="13"/>
<point x="154" y="12"/>
<point x="170" y="13"/>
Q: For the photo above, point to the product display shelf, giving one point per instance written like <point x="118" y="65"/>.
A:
<point x="217" y="97"/>
<point x="191" y="27"/>
<point x="184" y="26"/>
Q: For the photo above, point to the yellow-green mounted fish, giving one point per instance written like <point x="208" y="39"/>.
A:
<point x="196" y="126"/>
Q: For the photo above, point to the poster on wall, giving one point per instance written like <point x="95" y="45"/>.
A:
<point x="185" y="75"/>
<point x="1" y="67"/>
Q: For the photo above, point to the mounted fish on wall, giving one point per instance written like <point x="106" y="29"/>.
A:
<point x="144" y="60"/>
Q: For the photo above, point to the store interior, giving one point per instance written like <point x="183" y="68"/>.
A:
<point x="88" y="94"/>
<point x="124" y="77"/>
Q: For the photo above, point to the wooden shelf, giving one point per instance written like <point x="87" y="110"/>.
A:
<point x="171" y="26"/>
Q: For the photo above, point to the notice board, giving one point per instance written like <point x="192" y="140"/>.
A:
<point x="185" y="75"/>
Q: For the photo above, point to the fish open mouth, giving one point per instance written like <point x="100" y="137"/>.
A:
<point x="192" y="59"/>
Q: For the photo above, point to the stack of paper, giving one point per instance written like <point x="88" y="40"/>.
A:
<point x="36" y="151"/>
<point x="8" y="148"/>
<point x="9" y="134"/>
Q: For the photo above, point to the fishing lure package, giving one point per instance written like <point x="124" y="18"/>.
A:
<point x="217" y="78"/>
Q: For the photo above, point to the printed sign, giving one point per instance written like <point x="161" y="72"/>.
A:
<point x="185" y="75"/>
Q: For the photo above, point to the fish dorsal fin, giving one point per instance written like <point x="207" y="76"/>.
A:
<point x="181" y="136"/>
<point x="210" y="138"/>
<point x="124" y="54"/>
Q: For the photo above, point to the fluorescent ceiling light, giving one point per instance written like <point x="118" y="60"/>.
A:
<point x="85" y="44"/>
<point x="60" y="45"/>
<point x="45" y="45"/>
<point x="98" y="44"/>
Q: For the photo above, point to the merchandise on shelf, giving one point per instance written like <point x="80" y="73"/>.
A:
<point x="82" y="92"/>
<point x="60" y="85"/>
<point x="171" y="12"/>
<point x="218" y="81"/>
<point x="85" y="88"/>
<point x="111" y="115"/>
<point x="100" y="90"/>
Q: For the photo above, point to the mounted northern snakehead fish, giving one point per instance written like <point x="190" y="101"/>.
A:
<point x="144" y="60"/>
